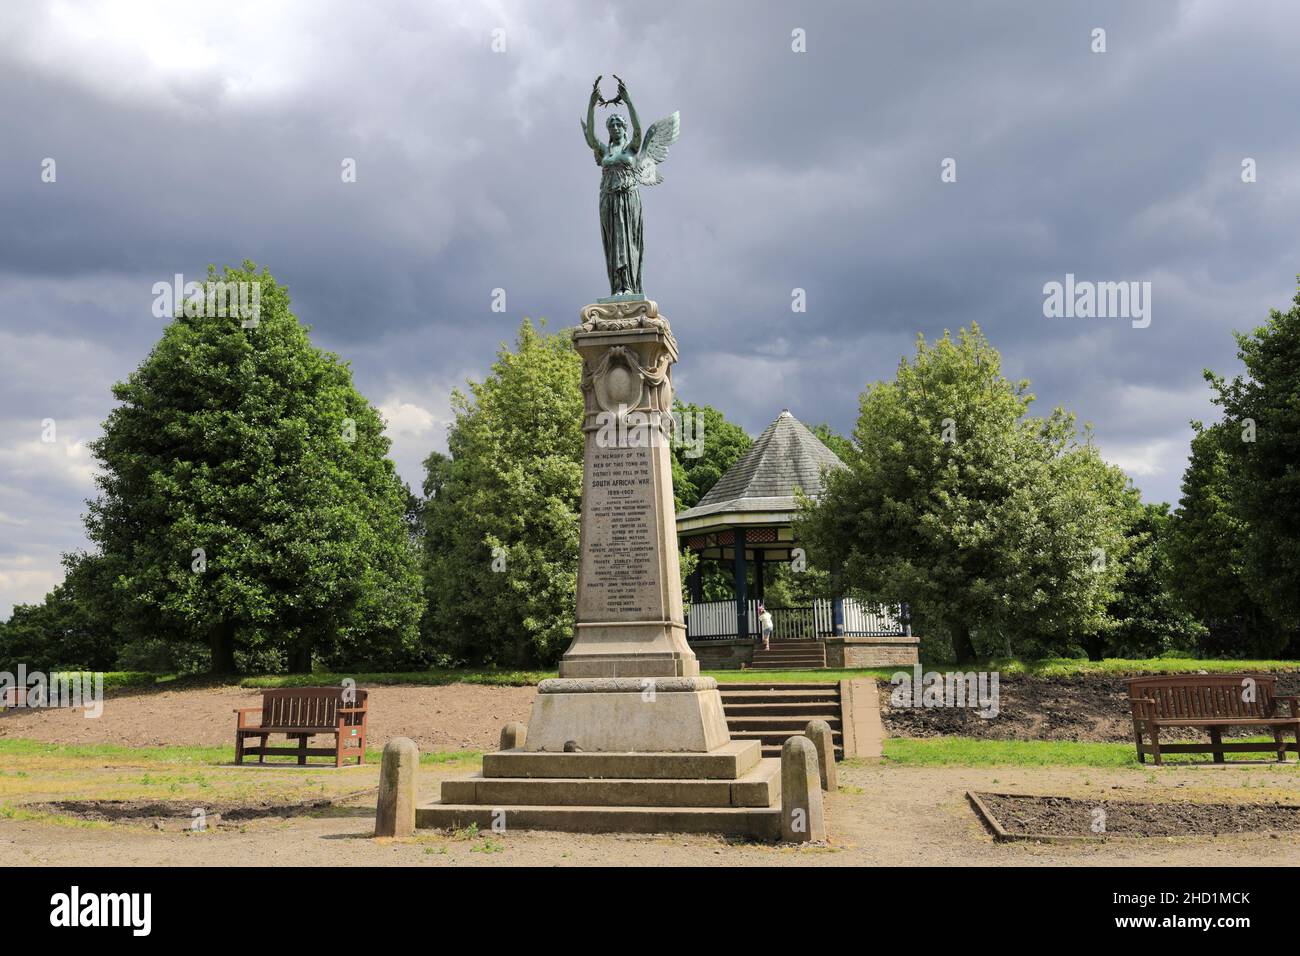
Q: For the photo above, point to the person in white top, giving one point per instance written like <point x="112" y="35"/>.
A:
<point x="765" y="625"/>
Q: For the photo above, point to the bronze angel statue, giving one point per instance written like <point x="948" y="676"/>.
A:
<point x="625" y="165"/>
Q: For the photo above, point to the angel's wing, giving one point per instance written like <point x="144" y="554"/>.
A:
<point x="654" y="148"/>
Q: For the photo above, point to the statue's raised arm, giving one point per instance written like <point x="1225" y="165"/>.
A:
<point x="626" y="163"/>
<point x="588" y="128"/>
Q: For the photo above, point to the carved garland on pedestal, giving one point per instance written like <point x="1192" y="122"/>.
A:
<point x="617" y="381"/>
<point x="621" y="316"/>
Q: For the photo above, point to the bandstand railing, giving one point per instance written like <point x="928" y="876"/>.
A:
<point x="716" y="620"/>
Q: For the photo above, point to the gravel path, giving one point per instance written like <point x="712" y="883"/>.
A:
<point x="884" y="816"/>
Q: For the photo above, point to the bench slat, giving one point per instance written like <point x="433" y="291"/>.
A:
<point x="1225" y="721"/>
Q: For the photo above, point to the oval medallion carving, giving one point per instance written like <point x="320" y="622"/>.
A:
<point x="620" y="385"/>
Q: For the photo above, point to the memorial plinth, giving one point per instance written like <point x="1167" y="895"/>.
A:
<point x="629" y="637"/>
<point x="629" y="605"/>
<point x="629" y="738"/>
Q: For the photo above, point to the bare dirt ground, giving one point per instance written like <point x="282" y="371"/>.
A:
<point x="450" y="717"/>
<point x="470" y="716"/>
<point x="1082" y="708"/>
<point x="883" y="816"/>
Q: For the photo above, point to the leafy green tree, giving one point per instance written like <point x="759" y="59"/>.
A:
<point x="501" y="513"/>
<point x="993" y="524"/>
<point x="1147" y="618"/>
<point x="833" y="440"/>
<point x="714" y="445"/>
<point x="1207" y="544"/>
<point x="1263" y="409"/>
<point x="66" y="631"/>
<point x="708" y="446"/>
<point x="247" y="500"/>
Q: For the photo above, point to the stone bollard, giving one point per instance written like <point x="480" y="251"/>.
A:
<point x="513" y="735"/>
<point x="819" y="732"/>
<point x="802" y="819"/>
<point x="395" y="812"/>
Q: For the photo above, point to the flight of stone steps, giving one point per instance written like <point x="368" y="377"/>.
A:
<point x="772" y="713"/>
<point x="790" y="655"/>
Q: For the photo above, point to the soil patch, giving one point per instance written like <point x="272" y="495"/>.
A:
<point x="1031" y="816"/>
<point x="179" y="815"/>
<point x="1082" y="708"/>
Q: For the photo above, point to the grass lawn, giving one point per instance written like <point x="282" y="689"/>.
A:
<point x="971" y="752"/>
<point x="1064" y="667"/>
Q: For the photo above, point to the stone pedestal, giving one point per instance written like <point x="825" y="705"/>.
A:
<point x="658" y="715"/>
<point x="629" y="608"/>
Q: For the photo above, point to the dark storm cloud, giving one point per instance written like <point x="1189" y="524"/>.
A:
<point x="209" y="133"/>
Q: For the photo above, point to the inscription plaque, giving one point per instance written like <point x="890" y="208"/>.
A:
<point x="622" y="553"/>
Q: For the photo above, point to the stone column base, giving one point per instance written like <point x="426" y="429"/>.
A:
<point x="628" y="715"/>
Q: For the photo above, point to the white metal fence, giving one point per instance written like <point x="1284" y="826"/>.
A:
<point x="716" y="620"/>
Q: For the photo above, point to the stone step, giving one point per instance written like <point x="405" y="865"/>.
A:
<point x="778" y="687"/>
<point x="832" y="694"/>
<point x="760" y="787"/>
<point x="776" y="752"/>
<point x="775" y="738"/>
<point x="778" y="708"/>
<point x="760" y="823"/>
<point x="771" y="713"/>
<point x="794" y="724"/>
<point x="728" y="762"/>
<point x="790" y="665"/>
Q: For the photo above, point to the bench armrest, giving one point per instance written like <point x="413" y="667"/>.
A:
<point x="1142" y="706"/>
<point x="246" y="710"/>
<point x="352" y="716"/>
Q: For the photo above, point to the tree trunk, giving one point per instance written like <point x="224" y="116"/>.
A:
<point x="221" y="642"/>
<point x="962" y="647"/>
<point x="1095" y="647"/>
<point x="300" y="659"/>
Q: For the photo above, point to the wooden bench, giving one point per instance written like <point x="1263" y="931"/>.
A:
<point x="304" y="712"/>
<point x="1212" y="702"/>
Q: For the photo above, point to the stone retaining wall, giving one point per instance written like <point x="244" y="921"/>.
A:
<point x="871" y="651"/>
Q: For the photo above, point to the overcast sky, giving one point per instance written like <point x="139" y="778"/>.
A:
<point x="196" y="133"/>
